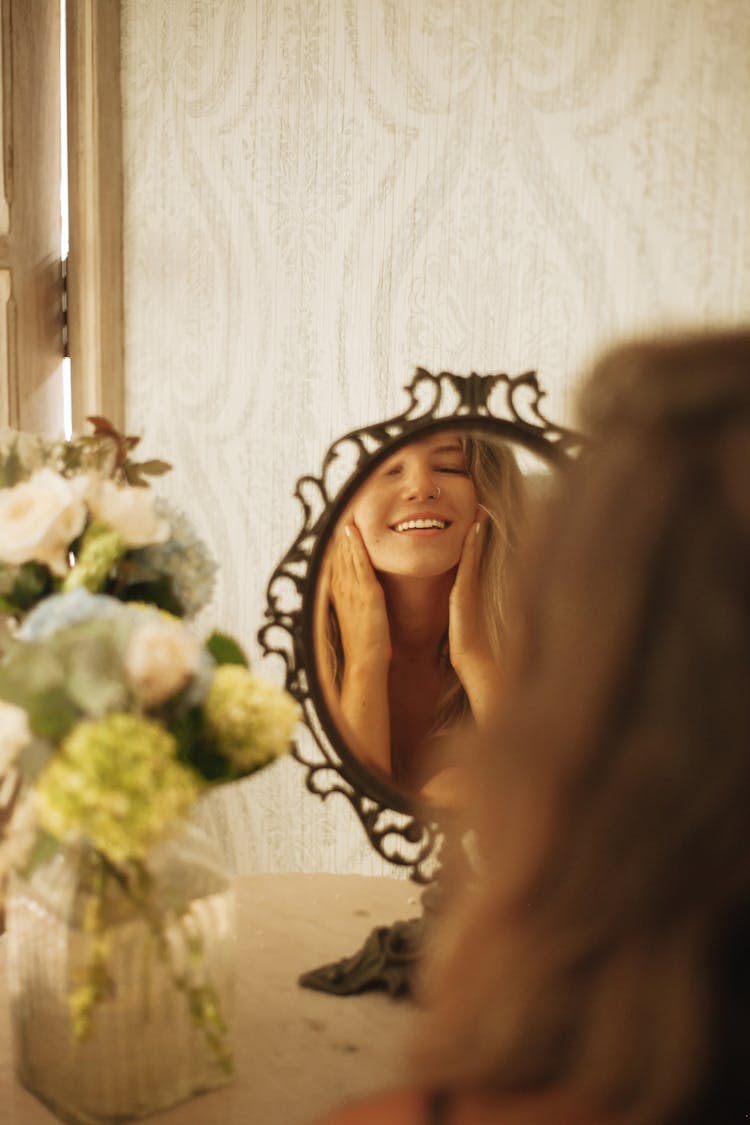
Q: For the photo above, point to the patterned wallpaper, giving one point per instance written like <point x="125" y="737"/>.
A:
<point x="321" y="194"/>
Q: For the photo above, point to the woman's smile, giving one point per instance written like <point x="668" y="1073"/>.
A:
<point x="421" y="522"/>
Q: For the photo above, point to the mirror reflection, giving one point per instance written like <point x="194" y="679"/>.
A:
<point x="411" y="608"/>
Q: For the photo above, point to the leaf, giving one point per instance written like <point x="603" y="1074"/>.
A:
<point x="32" y="583"/>
<point x="104" y="428"/>
<point x="154" y="467"/>
<point x="7" y="577"/>
<point x="132" y="475"/>
<point x="195" y="748"/>
<point x="11" y="470"/>
<point x="102" y="425"/>
<point x="133" y="472"/>
<point x="98" y="451"/>
<point x="225" y="650"/>
<point x="123" y="442"/>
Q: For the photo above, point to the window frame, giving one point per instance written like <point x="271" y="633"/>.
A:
<point x="95" y="201"/>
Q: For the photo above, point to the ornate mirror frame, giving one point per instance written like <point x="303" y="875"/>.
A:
<point x="403" y="831"/>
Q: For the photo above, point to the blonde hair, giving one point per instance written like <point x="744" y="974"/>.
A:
<point x="498" y="483"/>
<point x="605" y="952"/>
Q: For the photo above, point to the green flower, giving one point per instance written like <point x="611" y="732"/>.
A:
<point x="251" y="719"/>
<point x="101" y="548"/>
<point x="116" y="782"/>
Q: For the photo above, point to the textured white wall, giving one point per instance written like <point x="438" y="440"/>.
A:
<point x="321" y="194"/>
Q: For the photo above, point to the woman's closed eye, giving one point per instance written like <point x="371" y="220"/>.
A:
<point x="456" y="469"/>
<point x="459" y="470"/>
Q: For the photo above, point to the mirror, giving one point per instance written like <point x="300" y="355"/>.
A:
<point x="417" y="568"/>
<point x="359" y="607"/>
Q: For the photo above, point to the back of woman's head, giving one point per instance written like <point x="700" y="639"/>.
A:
<point x="605" y="952"/>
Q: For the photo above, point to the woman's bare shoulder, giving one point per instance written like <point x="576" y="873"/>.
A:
<point x="400" y="1107"/>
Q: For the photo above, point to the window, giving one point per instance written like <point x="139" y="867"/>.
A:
<point x="31" y="286"/>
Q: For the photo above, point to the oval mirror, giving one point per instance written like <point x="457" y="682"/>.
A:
<point x="411" y="603"/>
<point x="405" y="512"/>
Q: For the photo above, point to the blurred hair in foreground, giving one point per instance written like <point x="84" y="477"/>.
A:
<point x="605" y="954"/>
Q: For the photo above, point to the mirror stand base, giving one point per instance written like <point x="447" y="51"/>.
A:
<point x="387" y="960"/>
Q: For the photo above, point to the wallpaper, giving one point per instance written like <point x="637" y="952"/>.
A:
<point x="322" y="194"/>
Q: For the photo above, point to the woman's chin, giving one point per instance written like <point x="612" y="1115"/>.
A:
<point x="422" y="556"/>
<point x="424" y="570"/>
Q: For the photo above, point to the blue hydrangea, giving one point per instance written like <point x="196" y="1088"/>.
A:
<point x="185" y="558"/>
<point x="61" y="610"/>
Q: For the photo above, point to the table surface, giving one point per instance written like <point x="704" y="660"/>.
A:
<point x="298" y="1053"/>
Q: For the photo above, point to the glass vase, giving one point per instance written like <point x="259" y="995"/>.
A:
<point x="160" y="960"/>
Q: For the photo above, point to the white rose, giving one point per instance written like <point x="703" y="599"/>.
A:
<point x="40" y="518"/>
<point x="15" y="734"/>
<point x="160" y="660"/>
<point x="130" y="512"/>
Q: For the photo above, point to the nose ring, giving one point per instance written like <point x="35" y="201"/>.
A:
<point x="437" y="491"/>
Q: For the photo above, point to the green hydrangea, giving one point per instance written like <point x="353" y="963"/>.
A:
<point x="101" y="548"/>
<point x="115" y="781"/>
<point x="252" y="720"/>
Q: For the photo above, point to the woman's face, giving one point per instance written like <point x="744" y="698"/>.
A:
<point x="415" y="509"/>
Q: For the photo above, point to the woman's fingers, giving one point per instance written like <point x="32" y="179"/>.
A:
<point x="337" y="566"/>
<point x="359" y="601"/>
<point x="346" y="549"/>
<point x="464" y="607"/>
<point x="471" y="552"/>
<point x="360" y="560"/>
<point x="352" y="573"/>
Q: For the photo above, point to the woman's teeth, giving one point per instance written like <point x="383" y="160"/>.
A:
<point x="419" y="525"/>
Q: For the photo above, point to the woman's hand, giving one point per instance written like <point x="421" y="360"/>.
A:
<point x="359" y="602"/>
<point x="470" y="651"/>
<point x="357" y="596"/>
<point x="466" y="635"/>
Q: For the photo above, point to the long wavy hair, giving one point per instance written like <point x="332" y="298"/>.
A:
<point x="499" y="486"/>
<point x="604" y="953"/>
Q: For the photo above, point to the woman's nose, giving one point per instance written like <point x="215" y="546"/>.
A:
<point x="421" y="484"/>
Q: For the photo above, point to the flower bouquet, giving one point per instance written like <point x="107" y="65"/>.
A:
<point x="119" y="918"/>
<point x="80" y="513"/>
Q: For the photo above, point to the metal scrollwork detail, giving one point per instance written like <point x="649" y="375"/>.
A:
<point x="402" y="835"/>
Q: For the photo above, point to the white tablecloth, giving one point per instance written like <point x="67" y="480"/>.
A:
<point x="298" y="1052"/>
